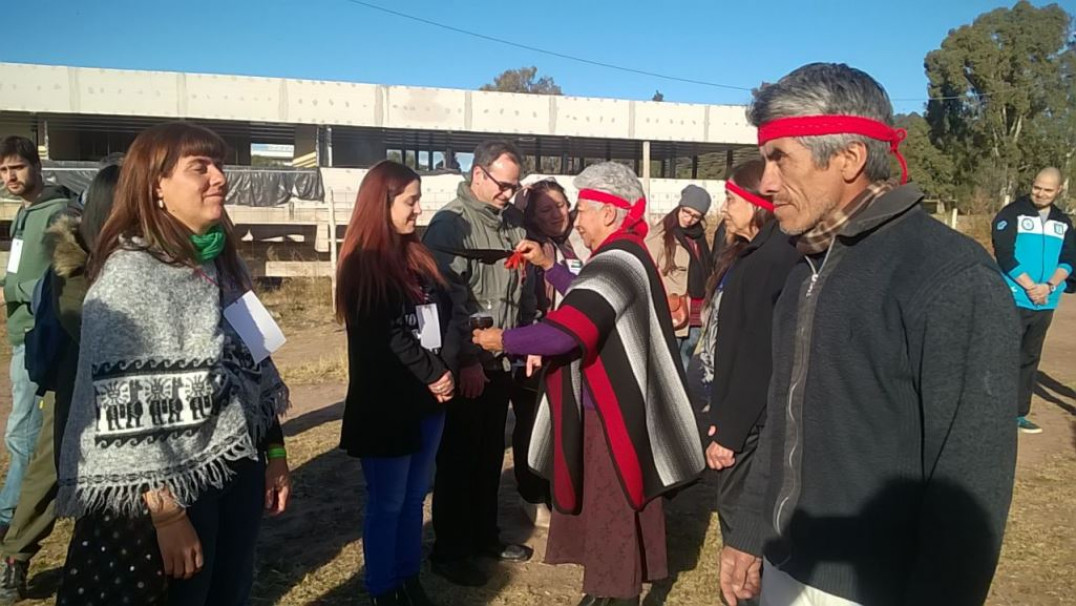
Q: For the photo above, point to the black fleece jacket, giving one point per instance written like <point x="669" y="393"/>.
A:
<point x="885" y="467"/>
<point x="742" y="362"/>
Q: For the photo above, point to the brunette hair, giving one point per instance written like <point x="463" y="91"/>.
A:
<point x="135" y="213"/>
<point x="748" y="176"/>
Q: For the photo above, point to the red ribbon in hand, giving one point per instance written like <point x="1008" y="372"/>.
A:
<point x="516" y="261"/>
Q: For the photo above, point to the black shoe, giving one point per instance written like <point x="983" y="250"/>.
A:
<point x="413" y="593"/>
<point x="588" y="600"/>
<point x="12" y="581"/>
<point x="460" y="572"/>
<point x="617" y="601"/>
<point x="509" y="553"/>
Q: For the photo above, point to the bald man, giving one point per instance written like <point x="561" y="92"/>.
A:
<point x="1036" y="249"/>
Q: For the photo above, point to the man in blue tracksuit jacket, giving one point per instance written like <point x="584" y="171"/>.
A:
<point x="1036" y="249"/>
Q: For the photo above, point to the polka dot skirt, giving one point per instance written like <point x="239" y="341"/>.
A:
<point x="113" y="561"/>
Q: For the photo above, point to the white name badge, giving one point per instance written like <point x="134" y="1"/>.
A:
<point x="255" y="326"/>
<point x="14" y="256"/>
<point x="429" y="326"/>
<point x="575" y="266"/>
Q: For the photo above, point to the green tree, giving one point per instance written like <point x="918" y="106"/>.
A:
<point x="523" y="80"/>
<point x="997" y="95"/>
<point x="928" y="166"/>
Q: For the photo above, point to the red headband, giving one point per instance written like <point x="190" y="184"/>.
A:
<point x="634" y="222"/>
<point x="755" y="199"/>
<point x="812" y="126"/>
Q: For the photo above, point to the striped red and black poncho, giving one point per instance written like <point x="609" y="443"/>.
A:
<point x="617" y="312"/>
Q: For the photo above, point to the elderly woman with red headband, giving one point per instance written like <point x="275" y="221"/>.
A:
<point x="614" y="431"/>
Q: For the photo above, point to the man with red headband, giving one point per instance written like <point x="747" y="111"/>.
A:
<point x="885" y="464"/>
<point x="614" y="431"/>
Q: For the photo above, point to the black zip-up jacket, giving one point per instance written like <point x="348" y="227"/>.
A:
<point x="744" y="332"/>
<point x="389" y="373"/>
<point x="885" y="467"/>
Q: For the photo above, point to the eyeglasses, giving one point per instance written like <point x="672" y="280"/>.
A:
<point x="693" y="214"/>
<point x="511" y="188"/>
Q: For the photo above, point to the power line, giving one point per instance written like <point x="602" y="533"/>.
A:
<point x="630" y="70"/>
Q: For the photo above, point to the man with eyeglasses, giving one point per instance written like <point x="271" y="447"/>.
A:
<point x="471" y="237"/>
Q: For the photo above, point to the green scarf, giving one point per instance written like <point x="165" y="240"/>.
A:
<point x="208" y="245"/>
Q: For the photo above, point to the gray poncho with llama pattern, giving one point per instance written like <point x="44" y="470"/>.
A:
<point x="166" y="393"/>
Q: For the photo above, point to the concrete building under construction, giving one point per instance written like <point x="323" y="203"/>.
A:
<point x="336" y="130"/>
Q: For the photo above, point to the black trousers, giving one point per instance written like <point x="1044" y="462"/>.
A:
<point x="1034" y="325"/>
<point x="469" y="471"/>
<point x="532" y="487"/>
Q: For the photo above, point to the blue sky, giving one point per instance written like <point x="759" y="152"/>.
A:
<point x="737" y="43"/>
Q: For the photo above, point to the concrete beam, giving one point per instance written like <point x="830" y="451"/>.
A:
<point x="76" y="90"/>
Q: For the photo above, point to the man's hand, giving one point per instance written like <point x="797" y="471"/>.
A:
<point x="472" y="381"/>
<point x="717" y="456"/>
<point x="740" y="575"/>
<point x="1039" y="294"/>
<point x="533" y="253"/>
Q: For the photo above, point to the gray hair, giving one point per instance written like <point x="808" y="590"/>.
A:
<point x="829" y="89"/>
<point x="612" y="178"/>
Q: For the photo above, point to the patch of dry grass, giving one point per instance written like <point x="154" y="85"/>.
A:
<point x="298" y="303"/>
<point x="1039" y="553"/>
<point x="326" y="369"/>
<point x="313" y="555"/>
<point x="978" y="228"/>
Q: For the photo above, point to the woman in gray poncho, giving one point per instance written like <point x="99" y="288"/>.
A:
<point x="172" y="448"/>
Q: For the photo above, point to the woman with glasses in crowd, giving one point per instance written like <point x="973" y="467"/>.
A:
<point x="682" y="254"/>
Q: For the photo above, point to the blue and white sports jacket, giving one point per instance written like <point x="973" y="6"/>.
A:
<point x="1024" y="243"/>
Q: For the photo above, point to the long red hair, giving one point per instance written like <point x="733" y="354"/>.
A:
<point x="377" y="263"/>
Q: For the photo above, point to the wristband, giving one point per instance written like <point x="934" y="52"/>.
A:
<point x="276" y="452"/>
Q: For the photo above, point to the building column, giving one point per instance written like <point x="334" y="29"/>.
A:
<point x="646" y="168"/>
<point x="306" y="142"/>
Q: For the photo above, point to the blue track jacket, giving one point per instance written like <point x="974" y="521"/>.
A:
<point x="1024" y="243"/>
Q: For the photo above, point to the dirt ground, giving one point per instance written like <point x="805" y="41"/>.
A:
<point x="313" y="553"/>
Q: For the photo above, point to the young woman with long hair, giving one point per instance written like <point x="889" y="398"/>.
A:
<point x="172" y="448"/>
<point x="395" y="306"/>
<point x="682" y="253"/>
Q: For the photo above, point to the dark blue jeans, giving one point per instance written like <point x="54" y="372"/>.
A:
<point x="227" y="523"/>
<point x="392" y="531"/>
